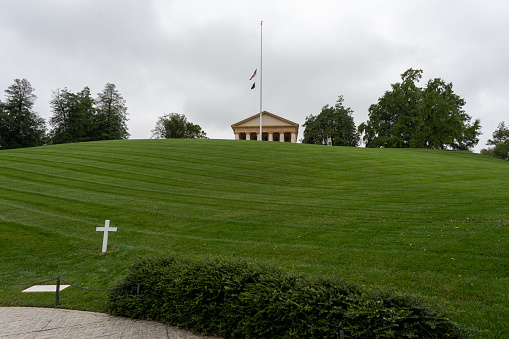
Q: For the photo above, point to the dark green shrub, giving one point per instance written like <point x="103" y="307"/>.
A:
<point x="241" y="300"/>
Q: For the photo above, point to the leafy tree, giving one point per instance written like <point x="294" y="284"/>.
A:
<point x="430" y="117"/>
<point x="176" y="126"/>
<point x="392" y="119"/>
<point x="442" y="122"/>
<point x="335" y="122"/>
<point x="501" y="150"/>
<point x="500" y="141"/>
<point x="500" y="135"/>
<point x="73" y="116"/>
<point x="20" y="126"/>
<point x="111" y="115"/>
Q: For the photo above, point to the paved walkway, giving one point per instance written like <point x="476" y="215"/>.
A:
<point x="31" y="322"/>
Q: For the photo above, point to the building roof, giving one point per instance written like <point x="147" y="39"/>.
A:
<point x="268" y="119"/>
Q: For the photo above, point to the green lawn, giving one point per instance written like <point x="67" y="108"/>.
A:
<point x="433" y="223"/>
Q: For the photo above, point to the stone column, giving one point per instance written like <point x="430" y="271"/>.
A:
<point x="271" y="137"/>
<point x="248" y="136"/>
<point x="281" y="137"/>
<point x="294" y="138"/>
<point x="237" y="136"/>
<point x="258" y="136"/>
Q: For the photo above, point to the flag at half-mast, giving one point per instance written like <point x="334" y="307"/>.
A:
<point x="252" y="76"/>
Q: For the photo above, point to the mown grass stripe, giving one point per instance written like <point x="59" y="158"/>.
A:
<point x="390" y="218"/>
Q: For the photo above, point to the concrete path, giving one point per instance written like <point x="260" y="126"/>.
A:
<point x="31" y="322"/>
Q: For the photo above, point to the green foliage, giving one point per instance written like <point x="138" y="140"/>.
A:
<point x="501" y="134"/>
<point x="500" y="141"/>
<point x="501" y="150"/>
<point x="77" y="117"/>
<point x="176" y="126"/>
<point x="391" y="121"/>
<point x="20" y="126"/>
<point x="334" y="122"/>
<point x="409" y="116"/>
<point x="237" y="299"/>
<point x="73" y="116"/>
<point x="111" y="115"/>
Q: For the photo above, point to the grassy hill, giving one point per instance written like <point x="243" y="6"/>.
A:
<point x="425" y="222"/>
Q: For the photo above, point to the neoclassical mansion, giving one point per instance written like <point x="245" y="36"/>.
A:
<point x="274" y="128"/>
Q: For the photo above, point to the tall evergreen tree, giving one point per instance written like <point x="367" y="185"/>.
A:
<point x="333" y="122"/>
<point x="111" y="115"/>
<point x="73" y="116"/>
<point x="86" y="108"/>
<point x="63" y="105"/>
<point x="20" y="125"/>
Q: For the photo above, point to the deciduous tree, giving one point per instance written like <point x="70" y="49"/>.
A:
<point x="430" y="117"/>
<point x="500" y="142"/>
<point x="335" y="122"/>
<point x="176" y="126"/>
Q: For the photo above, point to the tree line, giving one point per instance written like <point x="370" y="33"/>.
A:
<point x="76" y="117"/>
<point x="407" y="116"/>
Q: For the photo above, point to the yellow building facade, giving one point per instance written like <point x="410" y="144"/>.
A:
<point x="274" y="128"/>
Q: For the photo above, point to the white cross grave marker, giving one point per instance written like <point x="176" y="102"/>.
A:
<point x="106" y="229"/>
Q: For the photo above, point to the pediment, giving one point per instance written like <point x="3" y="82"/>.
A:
<point x="268" y="119"/>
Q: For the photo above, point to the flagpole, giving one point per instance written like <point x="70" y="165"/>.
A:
<point x="261" y="72"/>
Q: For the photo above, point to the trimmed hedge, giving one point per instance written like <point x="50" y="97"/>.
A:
<point x="236" y="299"/>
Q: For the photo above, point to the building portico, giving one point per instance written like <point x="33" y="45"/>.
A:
<point x="274" y="128"/>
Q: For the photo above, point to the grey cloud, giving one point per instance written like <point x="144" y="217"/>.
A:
<point x="195" y="57"/>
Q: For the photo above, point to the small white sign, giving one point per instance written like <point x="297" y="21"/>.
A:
<point x="106" y="229"/>
<point x="45" y="288"/>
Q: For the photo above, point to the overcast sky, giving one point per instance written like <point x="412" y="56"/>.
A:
<point x="195" y="57"/>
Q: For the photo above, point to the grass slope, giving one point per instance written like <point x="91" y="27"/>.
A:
<point x="433" y="223"/>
